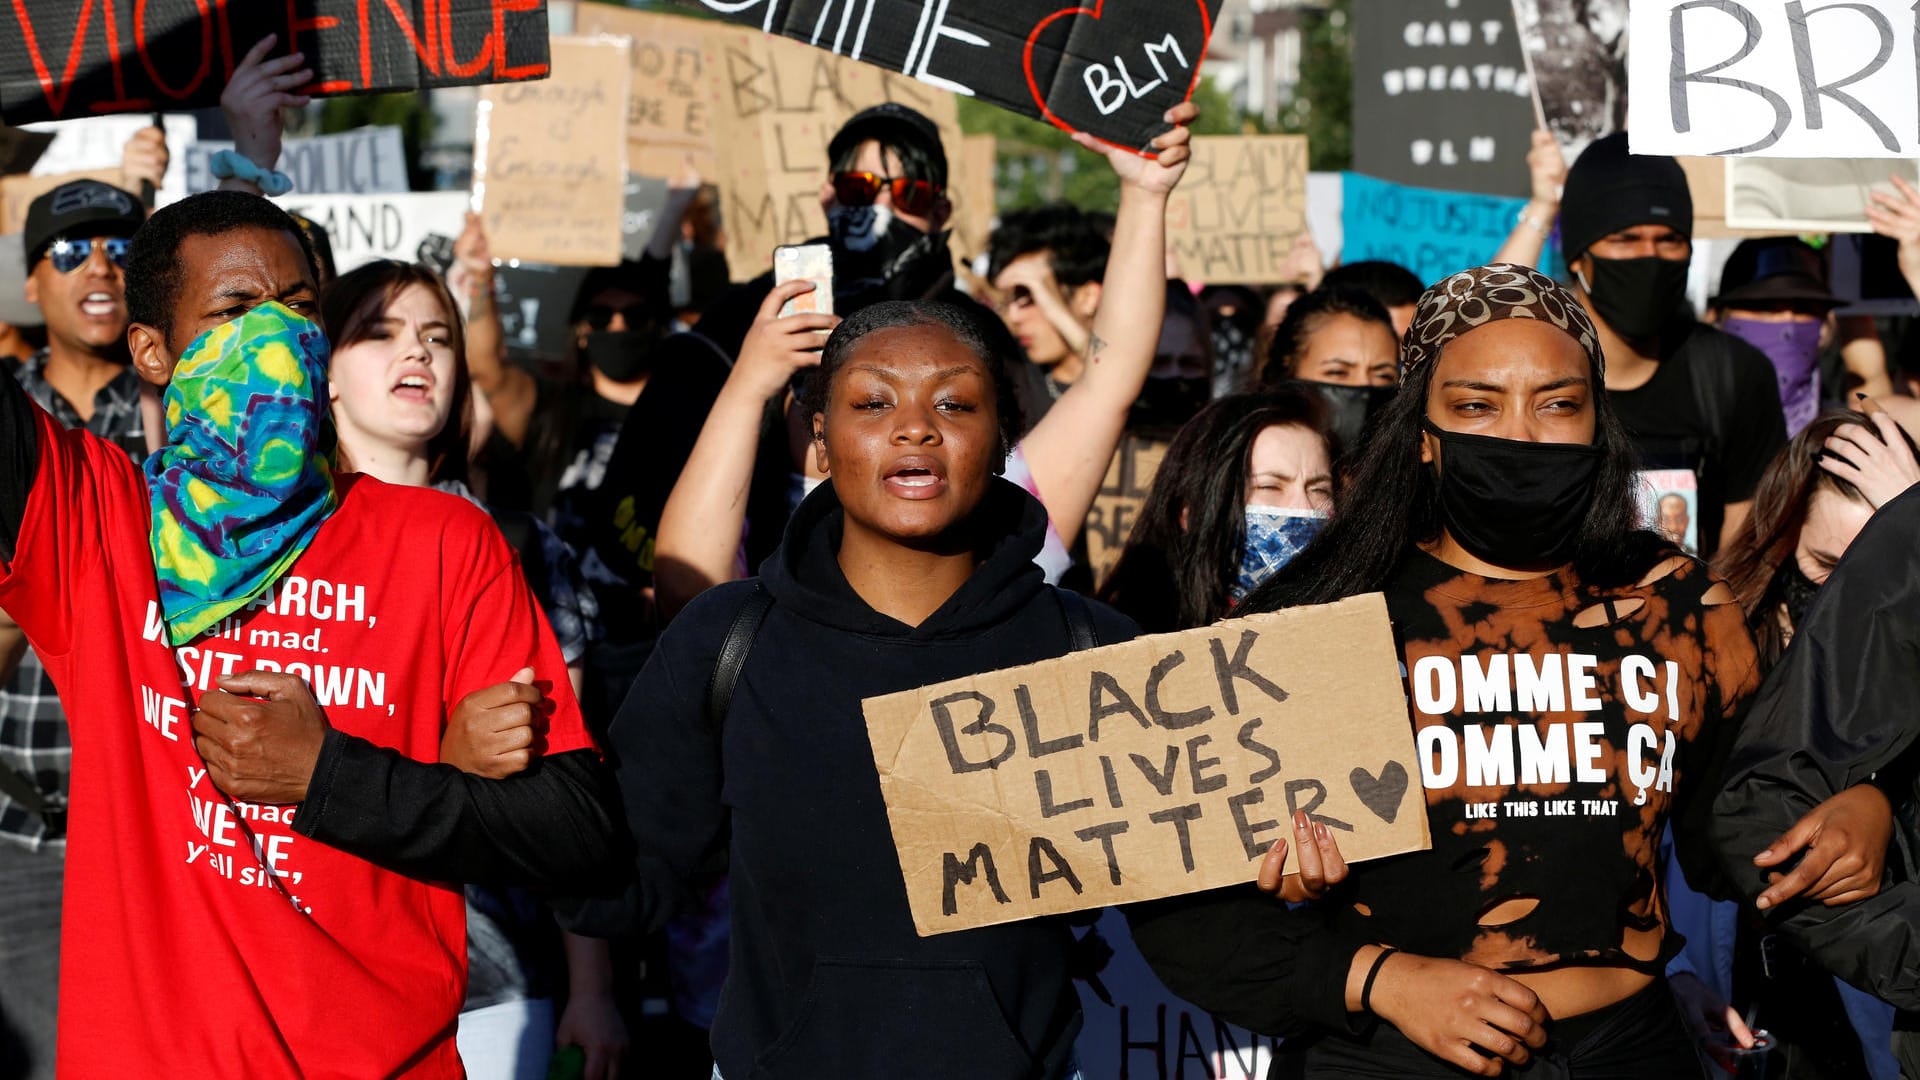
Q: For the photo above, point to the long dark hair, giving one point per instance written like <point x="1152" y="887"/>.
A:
<point x="354" y="300"/>
<point x="1391" y="502"/>
<point x="1173" y="576"/>
<point x="1751" y="564"/>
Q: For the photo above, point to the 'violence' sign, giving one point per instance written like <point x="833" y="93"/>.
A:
<point x="1111" y="68"/>
<point x="69" y="58"/>
<point x="1162" y="766"/>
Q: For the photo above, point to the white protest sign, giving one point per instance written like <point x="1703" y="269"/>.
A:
<point x="363" y="161"/>
<point x="1718" y="77"/>
<point x="96" y="142"/>
<point x="362" y="228"/>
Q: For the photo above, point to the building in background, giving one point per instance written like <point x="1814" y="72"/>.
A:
<point x="1255" y="54"/>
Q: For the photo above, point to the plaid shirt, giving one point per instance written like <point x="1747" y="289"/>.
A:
<point x="33" y="729"/>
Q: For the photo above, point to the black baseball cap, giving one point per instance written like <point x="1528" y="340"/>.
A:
<point x="79" y="208"/>
<point x="893" y="123"/>
<point x="1775" y="270"/>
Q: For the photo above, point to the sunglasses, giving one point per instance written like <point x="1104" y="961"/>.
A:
<point x="71" y="255"/>
<point x="916" y="197"/>
<point x="600" y="316"/>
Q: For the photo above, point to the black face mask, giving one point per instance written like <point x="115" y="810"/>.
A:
<point x="876" y="256"/>
<point x="1515" y="504"/>
<point x="621" y="355"/>
<point x="1349" y="408"/>
<point x="1795" y="589"/>
<point x="1637" y="297"/>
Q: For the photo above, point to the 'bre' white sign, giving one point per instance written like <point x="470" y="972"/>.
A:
<point x="1765" y="78"/>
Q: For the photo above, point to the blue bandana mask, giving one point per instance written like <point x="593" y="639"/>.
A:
<point x="1274" y="535"/>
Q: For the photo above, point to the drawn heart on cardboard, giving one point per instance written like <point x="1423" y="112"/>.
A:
<point x="1093" y="13"/>
<point x="1383" y="795"/>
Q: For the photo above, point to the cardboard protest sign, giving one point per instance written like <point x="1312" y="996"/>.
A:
<point x="18" y="192"/>
<point x="408" y="226"/>
<point x="61" y="59"/>
<point x="971" y="186"/>
<point x="1795" y="195"/>
<point x="1441" y="95"/>
<point x="1236" y="214"/>
<point x="669" y="110"/>
<point x="550" y="183"/>
<point x="363" y="161"/>
<point x="1432" y="233"/>
<point x="1112" y="69"/>
<point x="1145" y="1031"/>
<point x="1116" y="506"/>
<point x="1162" y="766"/>
<point x="1577" y="60"/>
<point x="1773" y="79"/>
<point x="20" y="148"/>
<point x="777" y="104"/>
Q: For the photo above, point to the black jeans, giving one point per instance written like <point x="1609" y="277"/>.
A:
<point x="1641" y="1038"/>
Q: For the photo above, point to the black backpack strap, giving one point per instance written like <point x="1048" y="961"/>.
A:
<point x="1081" y="635"/>
<point x="1714" y="385"/>
<point x="727" y="666"/>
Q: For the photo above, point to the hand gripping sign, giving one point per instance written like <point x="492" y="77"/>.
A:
<point x="1110" y="68"/>
<point x="1162" y="766"/>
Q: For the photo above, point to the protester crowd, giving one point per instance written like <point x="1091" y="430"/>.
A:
<point x="574" y="738"/>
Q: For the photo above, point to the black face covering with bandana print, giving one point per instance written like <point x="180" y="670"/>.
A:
<point x="876" y="256"/>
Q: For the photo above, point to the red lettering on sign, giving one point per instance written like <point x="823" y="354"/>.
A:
<point x="427" y="50"/>
<point x="56" y="94"/>
<point x="295" y="24"/>
<point x="500" y="68"/>
<point x="453" y="65"/>
<point x="146" y="60"/>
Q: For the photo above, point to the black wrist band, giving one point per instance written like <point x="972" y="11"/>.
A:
<point x="1366" y="988"/>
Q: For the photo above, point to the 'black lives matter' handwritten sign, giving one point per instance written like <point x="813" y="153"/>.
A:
<point x="1110" y="68"/>
<point x="1162" y="766"/>
<point x="1242" y="205"/>
<point x="61" y="59"/>
<point x="1720" y="77"/>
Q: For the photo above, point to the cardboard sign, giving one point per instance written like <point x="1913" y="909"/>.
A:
<point x="1441" y="95"/>
<point x="1432" y="233"/>
<point x="1577" y="59"/>
<point x="1163" y="766"/>
<point x="1116" y="506"/>
<point x="777" y="104"/>
<point x="1148" y="1032"/>
<point x="670" y="107"/>
<point x="1111" y="70"/>
<point x="18" y="192"/>
<point x="409" y="227"/>
<point x="971" y="184"/>
<point x="1236" y="214"/>
<point x="1791" y="195"/>
<point x="72" y="58"/>
<point x="364" y="161"/>
<point x="549" y="181"/>
<point x="1773" y="79"/>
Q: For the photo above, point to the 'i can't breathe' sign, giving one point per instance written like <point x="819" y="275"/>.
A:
<point x="1161" y="766"/>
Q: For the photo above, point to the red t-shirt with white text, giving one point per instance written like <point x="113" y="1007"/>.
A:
<point x="204" y="937"/>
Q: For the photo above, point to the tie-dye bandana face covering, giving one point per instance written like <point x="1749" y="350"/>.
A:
<point x="245" y="478"/>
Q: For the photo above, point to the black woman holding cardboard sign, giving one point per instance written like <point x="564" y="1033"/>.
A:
<point x="913" y="564"/>
<point x="1569" y="677"/>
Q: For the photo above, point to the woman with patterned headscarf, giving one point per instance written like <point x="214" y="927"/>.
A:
<point x="1569" y="675"/>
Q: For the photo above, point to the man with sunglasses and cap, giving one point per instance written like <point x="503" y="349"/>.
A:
<point x="75" y="243"/>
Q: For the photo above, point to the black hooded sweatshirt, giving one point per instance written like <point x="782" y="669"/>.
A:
<point x="827" y="977"/>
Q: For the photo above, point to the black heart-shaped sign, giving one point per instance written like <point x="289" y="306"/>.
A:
<point x="1121" y="74"/>
<point x="1382" y="795"/>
